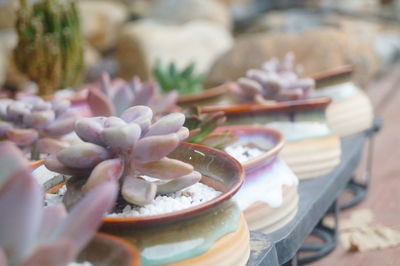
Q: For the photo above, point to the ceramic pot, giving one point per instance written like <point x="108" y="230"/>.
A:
<point x="108" y="250"/>
<point x="212" y="233"/>
<point x="269" y="196"/>
<point x="311" y="149"/>
<point x="351" y="110"/>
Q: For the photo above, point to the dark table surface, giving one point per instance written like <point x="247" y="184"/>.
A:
<point x="316" y="196"/>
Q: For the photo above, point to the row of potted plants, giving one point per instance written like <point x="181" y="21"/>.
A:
<point x="174" y="199"/>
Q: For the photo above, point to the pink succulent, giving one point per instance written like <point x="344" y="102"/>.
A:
<point x="115" y="96"/>
<point x="276" y="80"/>
<point x="31" y="234"/>
<point x="34" y="123"/>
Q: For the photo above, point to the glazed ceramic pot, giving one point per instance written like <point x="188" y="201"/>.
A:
<point x="108" y="250"/>
<point x="269" y="196"/>
<point x="212" y="233"/>
<point x="311" y="150"/>
<point x="351" y="110"/>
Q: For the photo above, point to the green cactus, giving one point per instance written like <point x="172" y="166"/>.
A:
<point x="185" y="81"/>
<point x="50" y="50"/>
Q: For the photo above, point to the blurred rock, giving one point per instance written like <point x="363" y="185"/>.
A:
<point x="101" y="21"/>
<point x="319" y="42"/>
<point x="182" y="11"/>
<point x="8" y="40"/>
<point x="142" y="43"/>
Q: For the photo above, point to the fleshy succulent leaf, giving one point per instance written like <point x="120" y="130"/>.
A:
<point x="170" y="123"/>
<point x="99" y="104"/>
<point x="85" y="217"/>
<point x="53" y="164"/>
<point x="165" y="168"/>
<point x="121" y="138"/>
<point x="138" y="191"/>
<point x="155" y="147"/>
<point x="109" y="170"/>
<point x="179" y="183"/>
<point x="52" y="217"/>
<point x="49" y="145"/>
<point x="59" y="253"/>
<point x="122" y="99"/>
<point x="89" y="129"/>
<point x="39" y="119"/>
<point x="22" y="137"/>
<point x="85" y="155"/>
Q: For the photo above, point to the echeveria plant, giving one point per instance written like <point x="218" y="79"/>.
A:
<point x="36" y="124"/>
<point x="115" y="96"/>
<point x="31" y="234"/>
<point x="129" y="149"/>
<point x="276" y="80"/>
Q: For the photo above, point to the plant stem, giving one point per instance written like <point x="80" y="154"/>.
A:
<point x="35" y="154"/>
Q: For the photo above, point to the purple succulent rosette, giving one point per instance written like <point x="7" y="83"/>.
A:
<point x="115" y="96"/>
<point x="31" y="234"/>
<point x="276" y="80"/>
<point x="35" y="123"/>
<point x="129" y="149"/>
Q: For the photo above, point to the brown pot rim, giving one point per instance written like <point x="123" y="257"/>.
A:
<point x="270" y="133"/>
<point x="333" y="73"/>
<point x="134" y="251"/>
<point x="205" y="94"/>
<point x="298" y="105"/>
<point x="35" y="164"/>
<point x="189" y="212"/>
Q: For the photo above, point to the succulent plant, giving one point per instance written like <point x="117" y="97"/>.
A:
<point x="31" y="234"/>
<point x="129" y="149"/>
<point x="185" y="81"/>
<point x="276" y="80"/>
<point x="115" y="96"/>
<point x="35" y="124"/>
<point x="201" y="126"/>
<point x="49" y="49"/>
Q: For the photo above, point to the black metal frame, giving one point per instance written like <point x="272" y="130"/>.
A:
<point x="359" y="189"/>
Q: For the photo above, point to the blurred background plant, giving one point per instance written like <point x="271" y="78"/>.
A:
<point x="185" y="81"/>
<point x="50" y="44"/>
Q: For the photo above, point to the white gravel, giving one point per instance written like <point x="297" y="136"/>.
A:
<point x="183" y="199"/>
<point x="243" y="153"/>
<point x="54" y="199"/>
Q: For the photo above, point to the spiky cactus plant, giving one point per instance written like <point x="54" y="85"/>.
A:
<point x="129" y="149"/>
<point x="36" y="125"/>
<point x="276" y="80"/>
<point x="185" y="81"/>
<point x="115" y="96"/>
<point x="50" y="47"/>
<point x="33" y="235"/>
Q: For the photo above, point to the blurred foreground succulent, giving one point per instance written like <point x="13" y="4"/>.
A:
<point x="185" y="81"/>
<point x="276" y="80"/>
<point x="33" y="235"/>
<point x="129" y="149"/>
<point x="202" y="125"/>
<point x="115" y="96"/>
<point x="36" y="125"/>
<point x="50" y="46"/>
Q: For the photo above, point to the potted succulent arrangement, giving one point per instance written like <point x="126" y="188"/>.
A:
<point x="269" y="196"/>
<point x="275" y="96"/>
<point x="351" y="110"/>
<point x="50" y="235"/>
<point x="171" y="193"/>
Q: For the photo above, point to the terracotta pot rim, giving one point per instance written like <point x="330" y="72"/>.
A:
<point x="192" y="211"/>
<point x="311" y="103"/>
<point x="35" y="164"/>
<point x="134" y="251"/>
<point x="205" y="94"/>
<point x="270" y="133"/>
<point x="333" y="73"/>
